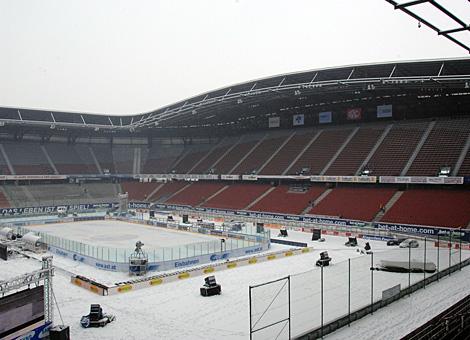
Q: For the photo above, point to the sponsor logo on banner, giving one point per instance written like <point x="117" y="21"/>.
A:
<point x="325" y="117"/>
<point x="354" y="113"/>
<point x="298" y="120"/>
<point x="384" y="111"/>
<point x="421" y="180"/>
<point x="274" y="122"/>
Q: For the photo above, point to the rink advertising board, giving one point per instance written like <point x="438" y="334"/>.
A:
<point x="52" y="209"/>
<point x="424" y="230"/>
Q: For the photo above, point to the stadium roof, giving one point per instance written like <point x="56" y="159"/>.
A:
<point x="246" y="104"/>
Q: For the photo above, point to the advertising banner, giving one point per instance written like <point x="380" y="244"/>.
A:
<point x="384" y="111"/>
<point x="274" y="122"/>
<point x="298" y="120"/>
<point x="354" y="113"/>
<point x="325" y="117"/>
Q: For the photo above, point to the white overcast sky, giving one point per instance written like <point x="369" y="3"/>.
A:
<point x="133" y="56"/>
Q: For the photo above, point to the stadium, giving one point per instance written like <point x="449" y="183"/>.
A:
<point x="249" y="183"/>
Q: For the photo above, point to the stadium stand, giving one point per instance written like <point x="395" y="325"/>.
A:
<point x="191" y="157"/>
<point x="350" y="159"/>
<point x="316" y="157"/>
<point x="166" y="191"/>
<point x="125" y="158"/>
<point x="226" y="164"/>
<point x="256" y="159"/>
<point x="356" y="203"/>
<point x="237" y="196"/>
<point x="160" y="158"/>
<point x="27" y="159"/>
<point x="4" y="203"/>
<point x="139" y="191"/>
<point x="104" y="156"/>
<point x="396" y="149"/>
<point x="206" y="164"/>
<point x="285" y="200"/>
<point x="4" y="170"/>
<point x="195" y="193"/>
<point x="432" y="207"/>
<point x="71" y="159"/>
<point x="442" y="147"/>
<point x="465" y="167"/>
<point x="287" y="154"/>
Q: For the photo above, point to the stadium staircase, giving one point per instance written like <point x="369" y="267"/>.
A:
<point x="374" y="149"/>
<point x="207" y="163"/>
<point x="195" y="194"/>
<point x="275" y="170"/>
<point x="227" y="152"/>
<point x="301" y="153"/>
<point x="396" y="149"/>
<point x="247" y="154"/>
<point x="168" y="190"/>
<point x="266" y="193"/>
<point x="214" y="195"/>
<point x="396" y="196"/>
<point x="49" y="160"/>
<point x="237" y="196"/>
<point x="342" y="147"/>
<point x="320" y="152"/>
<point x="462" y="167"/>
<point x="352" y="155"/>
<point x="154" y="191"/>
<point x="418" y="148"/>
<point x="317" y="201"/>
<point x="95" y="160"/>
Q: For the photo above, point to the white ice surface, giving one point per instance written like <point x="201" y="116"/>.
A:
<point x="176" y="310"/>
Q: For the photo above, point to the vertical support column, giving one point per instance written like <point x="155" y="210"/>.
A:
<point x="372" y="283"/>
<point x="288" y="292"/>
<point x="424" y="271"/>
<point x="349" y="292"/>
<point x="321" y="302"/>
<point x="48" y="311"/>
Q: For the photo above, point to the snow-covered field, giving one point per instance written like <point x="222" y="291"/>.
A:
<point x="176" y="310"/>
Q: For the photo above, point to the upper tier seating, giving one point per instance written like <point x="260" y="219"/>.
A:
<point x="27" y="159"/>
<point x="71" y="159"/>
<point x="442" y="147"/>
<point x="233" y="157"/>
<point x="433" y="207"/>
<point x="355" y="152"/>
<point x="259" y="156"/>
<point x="160" y="158"/>
<point x="287" y="154"/>
<point x="282" y="200"/>
<point x="354" y="203"/>
<point x="191" y="158"/>
<point x="237" y="196"/>
<point x="139" y="191"/>
<point x="465" y="167"/>
<point x="195" y="193"/>
<point x="396" y="149"/>
<point x="123" y="156"/>
<point x="104" y="156"/>
<point x="207" y="163"/>
<point x="320" y="152"/>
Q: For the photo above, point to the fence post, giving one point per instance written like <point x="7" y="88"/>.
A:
<point x="321" y="301"/>
<point x="424" y="271"/>
<point x="450" y="251"/>
<point x="288" y="296"/>
<point x="409" y="270"/>
<point x="438" y="246"/>
<point x="371" y="283"/>
<point x="349" y="292"/>
<point x="460" y="251"/>
<point x="251" y="334"/>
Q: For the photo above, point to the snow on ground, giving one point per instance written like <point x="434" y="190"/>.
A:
<point x="176" y="310"/>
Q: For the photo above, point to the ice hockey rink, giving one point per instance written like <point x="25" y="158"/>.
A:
<point x="176" y="310"/>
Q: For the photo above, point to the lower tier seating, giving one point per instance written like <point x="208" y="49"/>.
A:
<point x="237" y="196"/>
